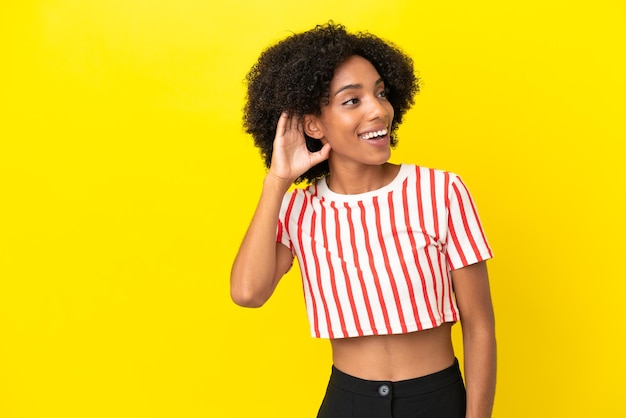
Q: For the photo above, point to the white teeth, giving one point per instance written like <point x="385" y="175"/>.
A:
<point x="371" y="135"/>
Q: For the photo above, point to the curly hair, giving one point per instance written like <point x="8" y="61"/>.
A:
<point x="294" y="75"/>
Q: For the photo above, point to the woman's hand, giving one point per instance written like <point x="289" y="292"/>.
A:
<point x="290" y="157"/>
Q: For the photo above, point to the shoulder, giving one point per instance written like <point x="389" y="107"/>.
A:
<point x="429" y="174"/>
<point x="298" y="195"/>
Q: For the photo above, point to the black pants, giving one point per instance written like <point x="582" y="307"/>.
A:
<point x="437" y="395"/>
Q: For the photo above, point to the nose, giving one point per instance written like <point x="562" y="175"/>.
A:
<point x="379" y="108"/>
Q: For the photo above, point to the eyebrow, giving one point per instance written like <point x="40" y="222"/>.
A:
<point x="356" y="86"/>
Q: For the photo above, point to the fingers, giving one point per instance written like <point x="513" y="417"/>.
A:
<point x="282" y="123"/>
<point x="321" y="155"/>
<point x="293" y="121"/>
<point x="289" y="122"/>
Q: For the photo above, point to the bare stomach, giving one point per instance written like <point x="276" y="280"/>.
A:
<point x="395" y="357"/>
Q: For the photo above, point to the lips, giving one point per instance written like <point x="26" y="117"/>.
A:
<point x="374" y="134"/>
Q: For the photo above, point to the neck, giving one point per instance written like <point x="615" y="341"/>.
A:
<point x="362" y="179"/>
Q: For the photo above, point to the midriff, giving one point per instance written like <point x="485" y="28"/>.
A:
<point x="395" y="357"/>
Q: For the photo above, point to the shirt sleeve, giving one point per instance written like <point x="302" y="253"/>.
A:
<point x="466" y="242"/>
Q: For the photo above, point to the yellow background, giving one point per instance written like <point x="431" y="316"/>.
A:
<point x="126" y="184"/>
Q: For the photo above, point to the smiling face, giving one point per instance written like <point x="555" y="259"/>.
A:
<point x="357" y="119"/>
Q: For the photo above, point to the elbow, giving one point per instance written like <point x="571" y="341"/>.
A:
<point x="246" y="297"/>
<point x="246" y="301"/>
<point x="482" y="334"/>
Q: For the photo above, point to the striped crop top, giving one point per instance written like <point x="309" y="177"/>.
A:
<point x="379" y="262"/>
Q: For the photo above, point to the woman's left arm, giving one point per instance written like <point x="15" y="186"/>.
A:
<point x="471" y="286"/>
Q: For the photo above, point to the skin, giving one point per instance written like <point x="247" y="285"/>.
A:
<point x="358" y="105"/>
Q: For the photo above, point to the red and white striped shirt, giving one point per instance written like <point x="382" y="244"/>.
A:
<point x="379" y="262"/>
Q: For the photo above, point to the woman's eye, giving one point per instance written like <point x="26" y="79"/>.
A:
<point x="383" y="93"/>
<point x="354" y="100"/>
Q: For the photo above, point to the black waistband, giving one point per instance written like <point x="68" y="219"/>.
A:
<point x="402" y="388"/>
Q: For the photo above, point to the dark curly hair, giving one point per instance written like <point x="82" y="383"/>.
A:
<point x="294" y="75"/>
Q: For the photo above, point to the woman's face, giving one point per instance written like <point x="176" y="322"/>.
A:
<point x="357" y="120"/>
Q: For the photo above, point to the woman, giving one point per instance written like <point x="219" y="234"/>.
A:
<point x="391" y="255"/>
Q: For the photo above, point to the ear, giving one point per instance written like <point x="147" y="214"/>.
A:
<point x="312" y="126"/>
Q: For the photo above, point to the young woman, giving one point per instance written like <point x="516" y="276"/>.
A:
<point x="391" y="256"/>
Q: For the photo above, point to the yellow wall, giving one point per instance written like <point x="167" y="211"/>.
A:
<point x="120" y="139"/>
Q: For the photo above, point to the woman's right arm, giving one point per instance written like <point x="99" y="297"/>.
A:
<point x="261" y="261"/>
